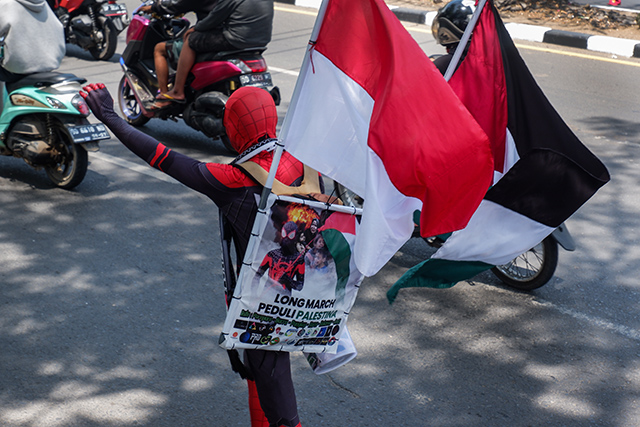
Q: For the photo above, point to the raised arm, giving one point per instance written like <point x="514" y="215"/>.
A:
<point x="183" y="168"/>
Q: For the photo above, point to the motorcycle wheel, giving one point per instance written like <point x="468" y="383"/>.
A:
<point x="129" y="105"/>
<point x="105" y="48"/>
<point x="532" y="269"/>
<point x="227" y="144"/>
<point x="71" y="161"/>
<point x="348" y="197"/>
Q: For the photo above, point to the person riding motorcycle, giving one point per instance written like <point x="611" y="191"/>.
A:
<point x="231" y="25"/>
<point x="33" y="39"/>
<point x="25" y="52"/>
<point x="163" y="51"/>
<point x="250" y="118"/>
<point x="448" y="26"/>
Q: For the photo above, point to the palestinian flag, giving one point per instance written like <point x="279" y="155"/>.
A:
<point x="339" y="234"/>
<point x="543" y="173"/>
<point x="372" y="112"/>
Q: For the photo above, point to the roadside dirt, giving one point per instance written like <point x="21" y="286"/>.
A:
<point x="556" y="14"/>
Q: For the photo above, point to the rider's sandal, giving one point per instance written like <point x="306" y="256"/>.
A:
<point x="167" y="97"/>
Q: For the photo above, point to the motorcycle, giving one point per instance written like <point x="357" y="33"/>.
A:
<point x="93" y="25"/>
<point x="528" y="271"/>
<point x="211" y="81"/>
<point x="44" y="122"/>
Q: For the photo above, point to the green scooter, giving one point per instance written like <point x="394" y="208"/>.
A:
<point x="44" y="122"/>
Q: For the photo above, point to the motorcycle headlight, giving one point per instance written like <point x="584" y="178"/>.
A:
<point x="55" y="103"/>
<point x="80" y="105"/>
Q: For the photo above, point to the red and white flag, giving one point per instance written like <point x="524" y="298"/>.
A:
<point x="372" y="112"/>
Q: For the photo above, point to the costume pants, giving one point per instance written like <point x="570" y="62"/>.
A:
<point x="271" y="371"/>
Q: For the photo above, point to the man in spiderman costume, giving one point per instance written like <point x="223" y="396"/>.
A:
<point x="285" y="264"/>
<point x="250" y="119"/>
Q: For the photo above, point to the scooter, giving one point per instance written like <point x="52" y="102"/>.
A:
<point x="93" y="25"/>
<point x="211" y="80"/>
<point x="528" y="271"/>
<point x="44" y="122"/>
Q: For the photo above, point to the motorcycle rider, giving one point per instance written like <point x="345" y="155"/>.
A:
<point x="231" y="25"/>
<point x="250" y="118"/>
<point x="448" y="26"/>
<point x="164" y="50"/>
<point x="27" y="52"/>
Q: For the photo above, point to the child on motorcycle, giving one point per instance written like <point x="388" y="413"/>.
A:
<point x="163" y="50"/>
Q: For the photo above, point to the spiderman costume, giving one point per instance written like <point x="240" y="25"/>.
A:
<point x="285" y="264"/>
<point x="250" y="117"/>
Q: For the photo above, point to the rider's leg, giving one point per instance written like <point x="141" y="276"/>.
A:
<point x="162" y="66"/>
<point x="185" y="61"/>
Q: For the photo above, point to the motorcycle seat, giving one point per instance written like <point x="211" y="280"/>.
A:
<point x="44" y="79"/>
<point x="218" y="56"/>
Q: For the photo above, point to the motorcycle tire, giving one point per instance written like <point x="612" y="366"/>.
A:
<point x="227" y="144"/>
<point x="129" y="106"/>
<point x="532" y="269"/>
<point x="71" y="161"/>
<point x="348" y="197"/>
<point x="105" y="48"/>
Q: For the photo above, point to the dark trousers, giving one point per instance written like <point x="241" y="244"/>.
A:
<point x="272" y="374"/>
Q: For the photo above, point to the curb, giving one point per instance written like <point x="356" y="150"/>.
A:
<point x="532" y="33"/>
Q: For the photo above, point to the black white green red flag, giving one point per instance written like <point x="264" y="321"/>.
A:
<point x="543" y="173"/>
<point x="372" y="112"/>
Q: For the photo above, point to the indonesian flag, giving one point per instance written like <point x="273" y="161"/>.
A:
<point x="372" y="112"/>
<point x="543" y="172"/>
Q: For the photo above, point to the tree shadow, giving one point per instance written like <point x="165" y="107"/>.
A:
<point x="613" y="128"/>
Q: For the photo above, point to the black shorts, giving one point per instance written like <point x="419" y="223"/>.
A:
<point x="209" y="42"/>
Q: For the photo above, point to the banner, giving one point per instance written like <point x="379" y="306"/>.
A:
<point x="297" y="292"/>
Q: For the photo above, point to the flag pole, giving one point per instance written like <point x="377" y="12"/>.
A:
<point x="261" y="215"/>
<point x="304" y="68"/>
<point x="292" y="105"/>
<point x="457" y="54"/>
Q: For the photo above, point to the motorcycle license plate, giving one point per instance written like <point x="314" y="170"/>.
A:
<point x="262" y="79"/>
<point x="86" y="133"/>
<point x="113" y="9"/>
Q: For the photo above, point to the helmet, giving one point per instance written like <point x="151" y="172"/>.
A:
<point x="451" y="21"/>
<point x="250" y="114"/>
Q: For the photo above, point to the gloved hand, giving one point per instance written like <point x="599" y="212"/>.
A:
<point x="99" y="100"/>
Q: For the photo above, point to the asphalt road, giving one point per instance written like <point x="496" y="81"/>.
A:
<point x="111" y="296"/>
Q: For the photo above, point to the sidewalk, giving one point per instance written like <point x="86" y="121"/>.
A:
<point x="532" y="33"/>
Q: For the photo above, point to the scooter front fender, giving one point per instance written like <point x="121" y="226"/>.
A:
<point x="564" y="238"/>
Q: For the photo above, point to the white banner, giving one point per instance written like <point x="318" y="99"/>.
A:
<point x="297" y="292"/>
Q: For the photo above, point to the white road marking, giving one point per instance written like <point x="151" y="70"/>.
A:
<point x="284" y="71"/>
<point x="143" y="169"/>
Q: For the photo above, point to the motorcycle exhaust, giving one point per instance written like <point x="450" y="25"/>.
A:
<point x="142" y="94"/>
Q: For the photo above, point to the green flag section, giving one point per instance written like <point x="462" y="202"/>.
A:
<point x="340" y="251"/>
<point x="437" y="273"/>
